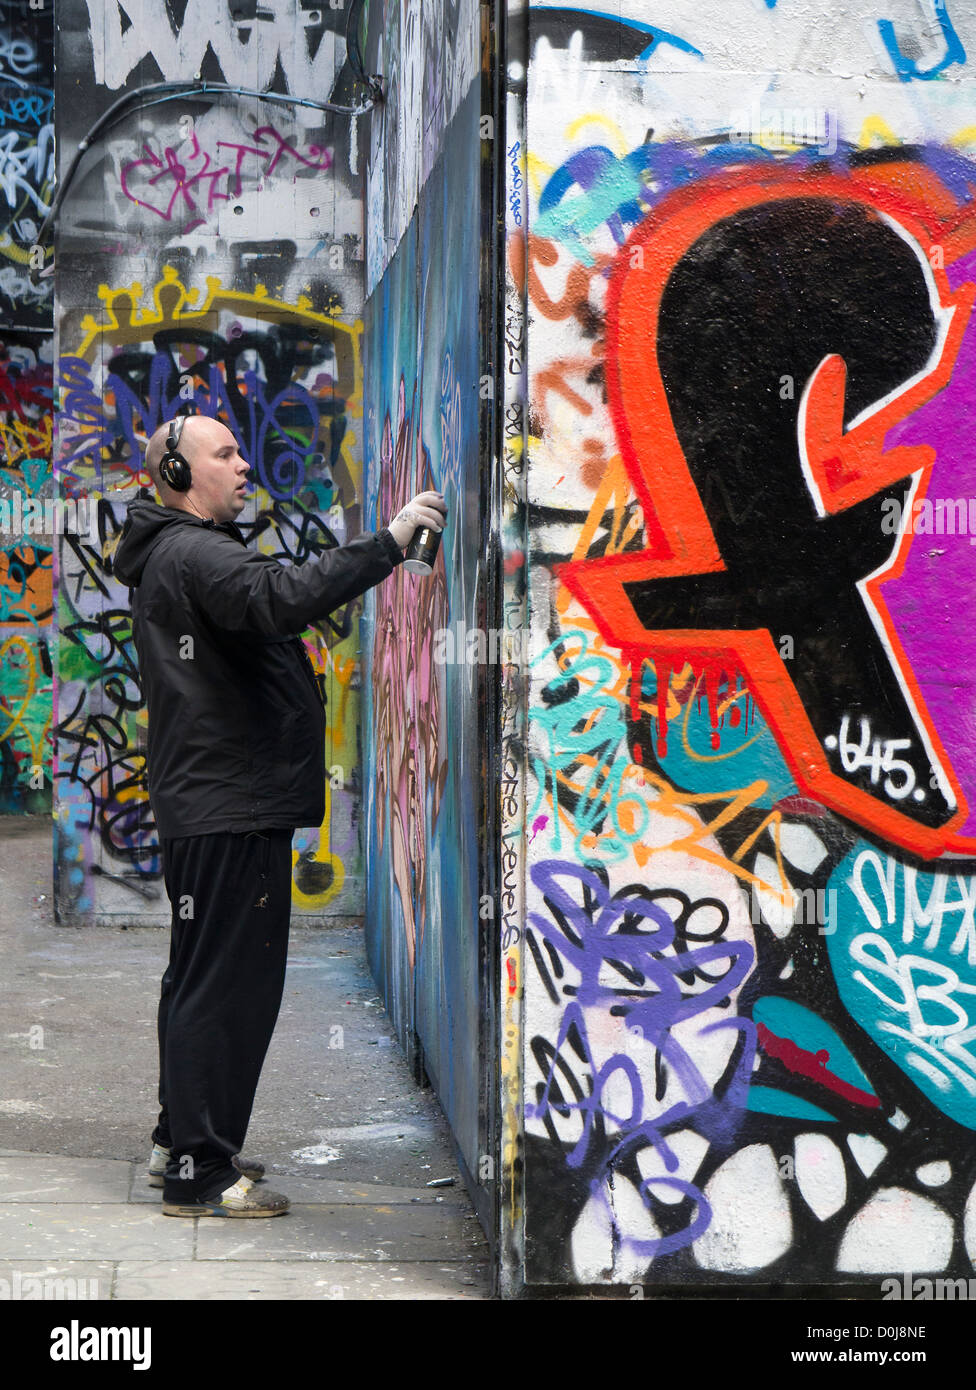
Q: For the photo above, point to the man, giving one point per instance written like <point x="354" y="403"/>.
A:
<point x="235" y="763"/>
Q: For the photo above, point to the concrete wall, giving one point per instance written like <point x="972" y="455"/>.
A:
<point x="26" y="348"/>
<point x="212" y="248"/>
<point x="743" y="240"/>
<point x="429" y="246"/>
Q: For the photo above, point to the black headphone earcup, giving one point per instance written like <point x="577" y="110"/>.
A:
<point x="175" y="472"/>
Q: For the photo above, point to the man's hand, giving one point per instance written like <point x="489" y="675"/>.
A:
<point x="426" y="509"/>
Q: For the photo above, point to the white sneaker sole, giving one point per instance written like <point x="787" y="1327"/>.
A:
<point x="174" y="1209"/>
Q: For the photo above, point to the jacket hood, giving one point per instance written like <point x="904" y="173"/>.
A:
<point x="145" y="523"/>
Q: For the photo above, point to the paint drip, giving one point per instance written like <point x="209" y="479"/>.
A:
<point x="724" y="692"/>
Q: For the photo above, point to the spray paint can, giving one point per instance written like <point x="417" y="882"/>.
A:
<point x="422" y="550"/>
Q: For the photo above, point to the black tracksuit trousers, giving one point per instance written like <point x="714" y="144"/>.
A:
<point x="220" y="996"/>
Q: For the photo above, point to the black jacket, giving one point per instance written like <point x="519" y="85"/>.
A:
<point x="236" y="736"/>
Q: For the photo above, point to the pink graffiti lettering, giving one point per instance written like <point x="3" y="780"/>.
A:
<point x="193" y="180"/>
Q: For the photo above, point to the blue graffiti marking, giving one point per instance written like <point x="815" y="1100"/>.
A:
<point x="904" y="959"/>
<point x="770" y="1100"/>
<point x="907" y="68"/>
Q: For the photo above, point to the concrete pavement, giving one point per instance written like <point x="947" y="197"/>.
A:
<point x="338" y="1121"/>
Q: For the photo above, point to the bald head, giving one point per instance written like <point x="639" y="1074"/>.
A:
<point x="218" y="471"/>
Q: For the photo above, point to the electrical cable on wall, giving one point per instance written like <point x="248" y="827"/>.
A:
<point x="170" y="91"/>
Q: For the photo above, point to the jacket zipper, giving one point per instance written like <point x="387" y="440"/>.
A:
<point x="311" y="671"/>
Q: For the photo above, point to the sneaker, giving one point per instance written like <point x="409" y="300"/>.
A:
<point x="247" y="1167"/>
<point x="239" y="1200"/>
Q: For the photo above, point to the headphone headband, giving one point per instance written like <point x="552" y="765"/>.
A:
<point x="175" y="430"/>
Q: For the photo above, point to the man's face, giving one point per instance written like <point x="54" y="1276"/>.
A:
<point x="219" y="472"/>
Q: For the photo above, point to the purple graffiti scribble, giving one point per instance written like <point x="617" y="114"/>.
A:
<point x="630" y="934"/>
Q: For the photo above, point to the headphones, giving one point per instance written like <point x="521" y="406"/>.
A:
<point x="173" y="467"/>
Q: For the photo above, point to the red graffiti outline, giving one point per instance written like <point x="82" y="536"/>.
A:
<point x="846" y="468"/>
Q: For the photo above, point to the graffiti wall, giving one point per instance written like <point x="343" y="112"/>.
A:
<point x="743" y="237"/>
<point x="428" y="56"/>
<point x="210" y="254"/>
<point x="425" y="718"/>
<point x="26" y="185"/>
